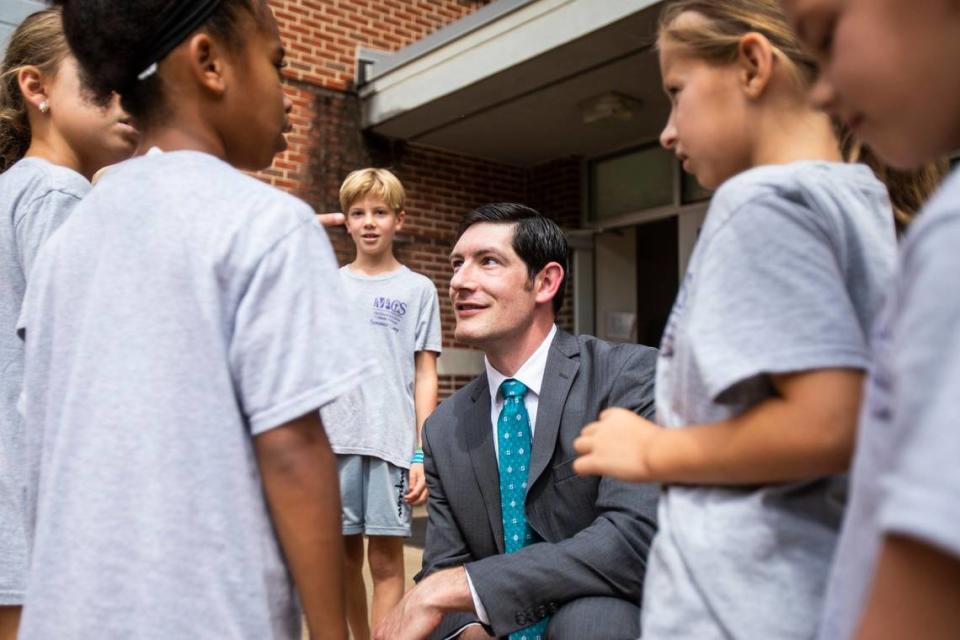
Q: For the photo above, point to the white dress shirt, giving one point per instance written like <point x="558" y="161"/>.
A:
<point x="530" y="374"/>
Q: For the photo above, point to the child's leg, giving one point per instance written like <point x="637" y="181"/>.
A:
<point x="387" y="523"/>
<point x="385" y="554"/>
<point x="356" y="590"/>
<point x="9" y="621"/>
<point x="351" y="470"/>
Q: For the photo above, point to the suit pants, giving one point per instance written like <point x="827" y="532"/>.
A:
<point x="595" y="618"/>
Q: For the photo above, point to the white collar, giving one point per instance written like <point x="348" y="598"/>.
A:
<point x="530" y="372"/>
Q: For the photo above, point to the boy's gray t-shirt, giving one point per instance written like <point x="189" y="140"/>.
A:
<point x="905" y="478"/>
<point x="789" y="271"/>
<point x="35" y="198"/>
<point x="399" y="313"/>
<point x="183" y="309"/>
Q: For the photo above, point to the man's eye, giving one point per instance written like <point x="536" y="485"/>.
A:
<point x="490" y="261"/>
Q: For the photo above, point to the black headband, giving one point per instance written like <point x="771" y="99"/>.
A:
<point x="182" y="20"/>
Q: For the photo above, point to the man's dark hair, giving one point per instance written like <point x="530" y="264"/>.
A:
<point x="536" y="239"/>
<point x="112" y="42"/>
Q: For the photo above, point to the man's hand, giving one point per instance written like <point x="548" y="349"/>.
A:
<point x="616" y="445"/>
<point x="422" y="608"/>
<point x="331" y="219"/>
<point x="417" y="492"/>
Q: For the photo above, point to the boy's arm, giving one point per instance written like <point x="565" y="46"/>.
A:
<point x="808" y="431"/>
<point x="425" y="390"/>
<point x="300" y="482"/>
<point x="915" y="592"/>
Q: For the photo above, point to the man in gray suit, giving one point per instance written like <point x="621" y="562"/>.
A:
<point x="517" y="544"/>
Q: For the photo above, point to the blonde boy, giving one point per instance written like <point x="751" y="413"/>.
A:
<point x="375" y="432"/>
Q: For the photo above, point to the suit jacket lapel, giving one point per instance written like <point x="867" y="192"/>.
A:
<point x="561" y="369"/>
<point x="483" y="455"/>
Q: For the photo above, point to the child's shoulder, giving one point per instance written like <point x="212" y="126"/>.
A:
<point x="810" y="190"/>
<point x="417" y="279"/>
<point x="34" y="179"/>
<point x="939" y="223"/>
<point x="184" y="182"/>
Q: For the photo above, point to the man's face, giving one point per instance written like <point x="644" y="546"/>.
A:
<point x="887" y="71"/>
<point x="491" y="290"/>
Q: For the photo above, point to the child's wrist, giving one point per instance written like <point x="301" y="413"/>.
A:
<point x="417" y="456"/>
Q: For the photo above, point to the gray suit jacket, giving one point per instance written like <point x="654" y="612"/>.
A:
<point x="596" y="532"/>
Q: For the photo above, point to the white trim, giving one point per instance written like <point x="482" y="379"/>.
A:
<point x="517" y="37"/>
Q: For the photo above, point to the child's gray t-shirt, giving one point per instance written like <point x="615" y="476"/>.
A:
<point x="789" y="271"/>
<point x="35" y="198"/>
<point x="183" y="309"/>
<point x="905" y="477"/>
<point x="399" y="313"/>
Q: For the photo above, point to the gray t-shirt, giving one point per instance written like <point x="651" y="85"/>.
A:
<point x="183" y="309"/>
<point x="790" y="269"/>
<point x="400" y="314"/>
<point x="906" y="478"/>
<point x="35" y="198"/>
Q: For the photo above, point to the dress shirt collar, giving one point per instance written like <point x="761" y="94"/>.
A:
<point x="530" y="372"/>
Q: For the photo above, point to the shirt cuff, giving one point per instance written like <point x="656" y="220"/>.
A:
<point x="481" y="612"/>
<point x="456" y="634"/>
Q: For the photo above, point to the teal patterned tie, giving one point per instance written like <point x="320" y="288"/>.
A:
<point x="514" y="441"/>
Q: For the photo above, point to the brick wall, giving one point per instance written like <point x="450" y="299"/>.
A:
<point x="321" y="38"/>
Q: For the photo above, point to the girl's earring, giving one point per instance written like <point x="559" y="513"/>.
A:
<point x="44" y="106"/>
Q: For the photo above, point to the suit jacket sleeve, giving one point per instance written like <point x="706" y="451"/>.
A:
<point x="445" y="546"/>
<point x="607" y="558"/>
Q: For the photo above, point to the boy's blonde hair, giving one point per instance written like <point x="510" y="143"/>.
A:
<point x="379" y="183"/>
<point x="717" y="38"/>
<point x="38" y="41"/>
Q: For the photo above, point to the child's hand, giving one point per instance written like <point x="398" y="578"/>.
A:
<point x="331" y="219"/>
<point x="417" y="493"/>
<point x="616" y="445"/>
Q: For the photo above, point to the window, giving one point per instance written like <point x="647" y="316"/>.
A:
<point x="634" y="181"/>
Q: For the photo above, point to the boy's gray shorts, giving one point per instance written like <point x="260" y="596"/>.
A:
<point x="371" y="491"/>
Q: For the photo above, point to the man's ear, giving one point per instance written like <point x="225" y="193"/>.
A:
<point x="548" y="282"/>
<point x="401" y="216"/>
<point x="207" y="62"/>
<point x="33" y="85"/>
<point x="756" y="57"/>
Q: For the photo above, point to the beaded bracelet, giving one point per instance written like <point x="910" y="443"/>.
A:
<point x="417" y="457"/>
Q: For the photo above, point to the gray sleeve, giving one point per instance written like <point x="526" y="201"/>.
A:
<point x="286" y="353"/>
<point x="428" y="323"/>
<point x="921" y="489"/>
<point x="37" y="222"/>
<point x="445" y="545"/>
<point x="770" y="297"/>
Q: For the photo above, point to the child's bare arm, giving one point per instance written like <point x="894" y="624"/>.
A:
<point x="299" y="474"/>
<point x="806" y="432"/>
<point x="425" y="390"/>
<point x="916" y="586"/>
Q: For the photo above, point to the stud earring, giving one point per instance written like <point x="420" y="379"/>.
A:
<point x="44" y="106"/>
